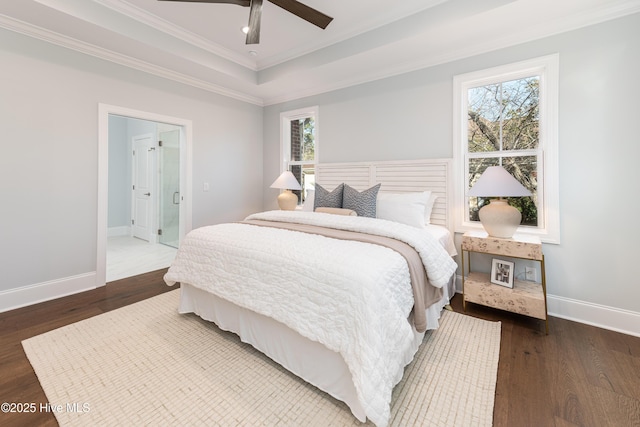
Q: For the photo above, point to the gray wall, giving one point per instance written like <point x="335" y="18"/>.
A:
<point x="410" y="117"/>
<point x="48" y="166"/>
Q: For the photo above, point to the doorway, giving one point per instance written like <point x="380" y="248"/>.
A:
<point x="157" y="208"/>
<point x="144" y="196"/>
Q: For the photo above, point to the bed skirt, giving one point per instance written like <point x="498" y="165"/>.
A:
<point x="309" y="360"/>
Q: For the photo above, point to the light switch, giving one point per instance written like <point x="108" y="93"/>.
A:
<point x="205" y="186"/>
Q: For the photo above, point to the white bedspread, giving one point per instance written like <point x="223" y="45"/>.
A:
<point x="306" y="282"/>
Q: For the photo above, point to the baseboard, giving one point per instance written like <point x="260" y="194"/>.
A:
<point x="601" y="316"/>
<point x="615" y="319"/>
<point x="124" y="230"/>
<point x="40" y="292"/>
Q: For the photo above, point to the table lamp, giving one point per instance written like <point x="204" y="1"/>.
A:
<point x="498" y="218"/>
<point x="287" y="201"/>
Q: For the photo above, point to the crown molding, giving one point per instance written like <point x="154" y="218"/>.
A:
<point x="40" y="33"/>
<point x="571" y="23"/>
<point x="154" y="21"/>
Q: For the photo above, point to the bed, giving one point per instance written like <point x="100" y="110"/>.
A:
<point x="341" y="314"/>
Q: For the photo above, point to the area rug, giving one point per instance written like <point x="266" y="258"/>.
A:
<point x="145" y="364"/>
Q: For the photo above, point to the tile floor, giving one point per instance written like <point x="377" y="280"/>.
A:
<point x="128" y="256"/>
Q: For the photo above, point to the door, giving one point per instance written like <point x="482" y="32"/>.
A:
<point x="142" y="205"/>
<point x="170" y="197"/>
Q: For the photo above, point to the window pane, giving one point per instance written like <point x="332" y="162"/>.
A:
<point x="303" y="139"/>
<point x="305" y="174"/>
<point x="524" y="169"/>
<point x="484" y="118"/>
<point x="504" y="116"/>
<point x="520" y="115"/>
<point x="308" y="180"/>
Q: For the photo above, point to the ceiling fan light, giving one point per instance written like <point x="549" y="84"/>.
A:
<point x="245" y="29"/>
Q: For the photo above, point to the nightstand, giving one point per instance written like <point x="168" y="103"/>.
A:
<point x="528" y="298"/>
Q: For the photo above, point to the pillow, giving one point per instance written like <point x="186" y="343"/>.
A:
<point x="428" y="208"/>
<point x="325" y="199"/>
<point x="337" y="211"/>
<point x="307" y="206"/>
<point x="364" y="203"/>
<point x="406" y="208"/>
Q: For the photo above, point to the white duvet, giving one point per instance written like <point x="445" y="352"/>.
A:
<point x="306" y="281"/>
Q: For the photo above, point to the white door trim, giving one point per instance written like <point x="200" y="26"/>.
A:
<point x="186" y="140"/>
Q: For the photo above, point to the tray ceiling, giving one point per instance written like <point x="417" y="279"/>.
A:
<point x="201" y="44"/>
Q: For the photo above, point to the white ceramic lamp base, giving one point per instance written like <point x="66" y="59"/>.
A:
<point x="500" y="219"/>
<point x="287" y="201"/>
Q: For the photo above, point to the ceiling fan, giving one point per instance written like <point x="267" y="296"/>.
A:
<point x="255" y="12"/>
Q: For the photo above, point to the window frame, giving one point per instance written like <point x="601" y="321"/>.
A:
<point x="547" y="68"/>
<point x="285" y="138"/>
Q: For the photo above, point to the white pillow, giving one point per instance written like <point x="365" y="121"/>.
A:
<point x="406" y="208"/>
<point x="307" y="206"/>
<point x="428" y="208"/>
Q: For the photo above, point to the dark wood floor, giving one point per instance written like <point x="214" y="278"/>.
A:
<point x="578" y="375"/>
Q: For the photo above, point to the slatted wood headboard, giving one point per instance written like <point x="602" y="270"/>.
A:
<point x="396" y="177"/>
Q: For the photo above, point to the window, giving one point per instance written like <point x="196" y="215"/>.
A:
<point x="507" y="116"/>
<point x="299" y="149"/>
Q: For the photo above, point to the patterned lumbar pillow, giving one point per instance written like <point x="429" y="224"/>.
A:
<point x="326" y="199"/>
<point x="364" y="203"/>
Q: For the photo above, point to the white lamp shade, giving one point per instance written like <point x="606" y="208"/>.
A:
<point x="497" y="182"/>
<point x="286" y="181"/>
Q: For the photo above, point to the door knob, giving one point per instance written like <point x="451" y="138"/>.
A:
<point x="147" y="194"/>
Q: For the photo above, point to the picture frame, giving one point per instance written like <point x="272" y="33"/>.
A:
<point x="502" y="273"/>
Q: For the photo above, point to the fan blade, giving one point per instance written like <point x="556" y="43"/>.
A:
<point x="305" y="12"/>
<point x="244" y="3"/>
<point x="253" y="36"/>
